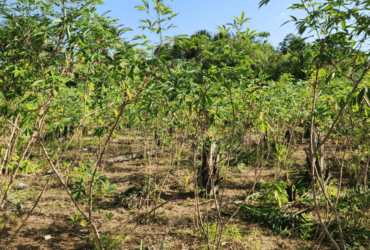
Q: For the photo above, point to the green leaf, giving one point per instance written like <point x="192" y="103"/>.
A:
<point x="263" y="127"/>
<point x="263" y="2"/>
<point x="368" y="95"/>
<point x="328" y="78"/>
<point x="100" y="131"/>
<point x="361" y="96"/>
<point x="28" y="130"/>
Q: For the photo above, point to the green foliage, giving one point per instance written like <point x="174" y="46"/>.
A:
<point x="238" y="24"/>
<point x="61" y="62"/>
<point x="230" y="234"/>
<point x="78" y="218"/>
<point x="159" y="22"/>
<point x="75" y="219"/>
<point x="285" y="223"/>
<point x="331" y="190"/>
<point x="291" y="43"/>
<point x="80" y="171"/>
<point x="3" y="218"/>
<point x="354" y="207"/>
<point x="110" y="241"/>
<point x="158" y="218"/>
<point x="101" y="185"/>
<point x="275" y="193"/>
<point x="245" y="156"/>
<point x="29" y="167"/>
<point x="187" y="177"/>
<point x="109" y="216"/>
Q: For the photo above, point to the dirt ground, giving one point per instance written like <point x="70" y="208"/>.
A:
<point x="50" y="225"/>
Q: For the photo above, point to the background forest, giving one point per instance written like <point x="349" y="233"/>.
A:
<point x="215" y="140"/>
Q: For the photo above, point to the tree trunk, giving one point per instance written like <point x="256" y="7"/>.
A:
<point x="10" y="146"/>
<point x="320" y="158"/>
<point x="209" y="177"/>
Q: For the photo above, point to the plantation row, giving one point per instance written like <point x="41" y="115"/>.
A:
<point x="213" y="104"/>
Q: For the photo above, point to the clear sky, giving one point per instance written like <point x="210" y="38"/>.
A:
<point x="195" y="15"/>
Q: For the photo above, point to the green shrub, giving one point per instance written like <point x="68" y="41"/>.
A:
<point x="275" y="193"/>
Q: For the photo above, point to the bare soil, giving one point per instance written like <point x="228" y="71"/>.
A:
<point x="173" y="223"/>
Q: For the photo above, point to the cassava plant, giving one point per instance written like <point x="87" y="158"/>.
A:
<point x="60" y="50"/>
<point x="341" y="31"/>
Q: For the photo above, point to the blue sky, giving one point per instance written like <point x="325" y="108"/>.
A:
<point x="195" y="15"/>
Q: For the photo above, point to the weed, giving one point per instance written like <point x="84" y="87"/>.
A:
<point x="91" y="142"/>
<point x="231" y="177"/>
<point x="6" y="185"/>
<point x="75" y="219"/>
<point x="2" y="220"/>
<point x="28" y="167"/>
<point x="110" y="241"/>
<point x="255" y="244"/>
<point x="288" y="223"/>
<point x="83" y="223"/>
<point x="159" y="218"/>
<point x="277" y="194"/>
<point x="109" y="216"/>
<point x="230" y="234"/>
<point x="186" y="204"/>
<point x="78" y="218"/>
<point x="187" y="177"/>
<point x="101" y="186"/>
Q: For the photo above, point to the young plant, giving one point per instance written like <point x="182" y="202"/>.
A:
<point x="159" y="21"/>
<point x="276" y="193"/>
